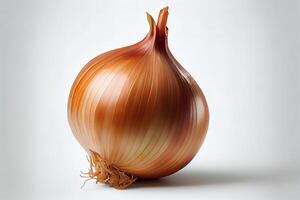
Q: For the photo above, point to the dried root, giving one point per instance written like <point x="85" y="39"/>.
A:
<point x="106" y="173"/>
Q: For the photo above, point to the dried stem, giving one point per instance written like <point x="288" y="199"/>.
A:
<point x="106" y="173"/>
<point x="162" y="22"/>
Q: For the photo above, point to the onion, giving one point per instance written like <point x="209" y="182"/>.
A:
<point x="137" y="112"/>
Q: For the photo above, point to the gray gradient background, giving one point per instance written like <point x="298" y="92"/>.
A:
<point x="243" y="54"/>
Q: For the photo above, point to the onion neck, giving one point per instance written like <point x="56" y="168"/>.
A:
<point x="161" y="40"/>
<point x="157" y="36"/>
<point x="162" y="30"/>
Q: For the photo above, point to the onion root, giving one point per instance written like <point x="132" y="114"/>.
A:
<point x="103" y="172"/>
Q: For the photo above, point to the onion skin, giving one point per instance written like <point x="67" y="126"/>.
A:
<point x="138" y="108"/>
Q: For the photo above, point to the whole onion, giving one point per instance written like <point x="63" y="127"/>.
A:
<point x="137" y="112"/>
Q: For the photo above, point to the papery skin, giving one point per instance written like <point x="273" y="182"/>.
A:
<point x="138" y="108"/>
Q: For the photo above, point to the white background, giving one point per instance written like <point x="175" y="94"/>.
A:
<point x="243" y="54"/>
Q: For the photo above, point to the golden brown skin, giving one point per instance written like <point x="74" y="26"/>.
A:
<point x="138" y="108"/>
